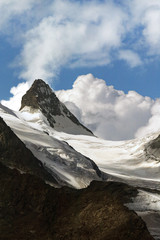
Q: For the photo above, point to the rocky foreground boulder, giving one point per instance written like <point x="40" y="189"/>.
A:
<point x="31" y="209"/>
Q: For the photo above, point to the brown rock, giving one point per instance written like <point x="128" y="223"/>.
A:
<point x="30" y="209"/>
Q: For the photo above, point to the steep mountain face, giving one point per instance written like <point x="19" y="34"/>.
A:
<point x="14" y="154"/>
<point x="30" y="209"/>
<point x="41" y="97"/>
<point x="58" y="158"/>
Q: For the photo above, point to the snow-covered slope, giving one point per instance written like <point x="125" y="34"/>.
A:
<point x="66" y="165"/>
<point x="126" y="160"/>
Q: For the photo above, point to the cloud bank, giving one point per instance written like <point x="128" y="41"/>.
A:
<point x="109" y="113"/>
<point x="14" y="102"/>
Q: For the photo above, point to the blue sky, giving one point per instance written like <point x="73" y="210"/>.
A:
<point x="59" y="40"/>
<point x="141" y="76"/>
<point x="143" y="79"/>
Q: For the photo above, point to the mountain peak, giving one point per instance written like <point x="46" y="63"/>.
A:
<point x="38" y="92"/>
<point x="40" y="86"/>
<point x="41" y="97"/>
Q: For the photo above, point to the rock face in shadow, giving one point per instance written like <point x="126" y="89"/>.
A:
<point x="40" y="96"/>
<point x="14" y="154"/>
<point x="155" y="143"/>
<point x="30" y="209"/>
<point x="152" y="149"/>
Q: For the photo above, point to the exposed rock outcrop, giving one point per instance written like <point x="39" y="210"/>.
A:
<point x="152" y="149"/>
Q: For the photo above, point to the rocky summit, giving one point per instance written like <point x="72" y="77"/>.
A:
<point x="41" y="97"/>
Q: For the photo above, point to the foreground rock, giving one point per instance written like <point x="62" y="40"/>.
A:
<point x="30" y="209"/>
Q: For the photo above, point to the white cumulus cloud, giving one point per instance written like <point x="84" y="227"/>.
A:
<point x="153" y="123"/>
<point x="14" y="102"/>
<point x="109" y="113"/>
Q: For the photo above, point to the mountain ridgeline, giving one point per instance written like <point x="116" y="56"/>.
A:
<point x="41" y="97"/>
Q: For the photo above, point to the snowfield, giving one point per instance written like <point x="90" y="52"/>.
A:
<point x="124" y="159"/>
